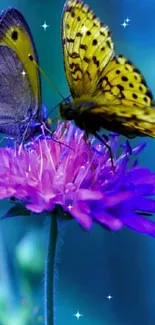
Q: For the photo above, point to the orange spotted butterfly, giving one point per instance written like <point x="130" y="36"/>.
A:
<point x="108" y="90"/>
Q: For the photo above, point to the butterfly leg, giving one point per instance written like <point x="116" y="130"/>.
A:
<point x="86" y="138"/>
<point x="62" y="133"/>
<point x="22" y="139"/>
<point x="108" y="147"/>
<point x="86" y="135"/>
<point x="52" y="132"/>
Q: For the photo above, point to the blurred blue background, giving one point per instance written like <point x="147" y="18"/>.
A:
<point x="90" y="265"/>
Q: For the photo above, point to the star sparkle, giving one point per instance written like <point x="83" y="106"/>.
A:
<point x="78" y="315"/>
<point x="23" y="73"/>
<point x="124" y="24"/>
<point x="84" y="29"/>
<point x="109" y="297"/>
<point x="45" y="26"/>
<point x="127" y="20"/>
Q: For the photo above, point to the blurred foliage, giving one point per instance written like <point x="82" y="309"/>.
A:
<point x="21" y="272"/>
<point x="30" y="252"/>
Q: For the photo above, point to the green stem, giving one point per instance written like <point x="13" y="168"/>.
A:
<point x="50" y="270"/>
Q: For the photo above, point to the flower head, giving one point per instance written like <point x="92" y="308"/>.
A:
<point x="45" y="174"/>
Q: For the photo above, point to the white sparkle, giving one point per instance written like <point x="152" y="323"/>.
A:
<point x="127" y="20"/>
<point x="78" y="315"/>
<point x="84" y="29"/>
<point x="45" y="26"/>
<point x="23" y="73"/>
<point x="124" y="24"/>
<point x="109" y="297"/>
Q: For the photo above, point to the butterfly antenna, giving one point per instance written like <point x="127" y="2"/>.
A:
<point x="52" y="110"/>
<point x="66" y="100"/>
<point x="45" y="76"/>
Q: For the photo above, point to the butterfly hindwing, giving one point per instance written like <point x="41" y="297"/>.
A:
<point x="124" y="100"/>
<point x="131" y="122"/>
<point x="87" y="47"/>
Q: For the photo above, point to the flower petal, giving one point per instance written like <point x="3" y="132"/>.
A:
<point x="83" y="217"/>
<point x="108" y="220"/>
<point x="80" y="179"/>
<point x="139" y="223"/>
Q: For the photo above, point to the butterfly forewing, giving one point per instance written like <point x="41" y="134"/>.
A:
<point x="87" y="47"/>
<point x="15" y="33"/>
<point x="20" y="87"/>
<point x="16" y="97"/>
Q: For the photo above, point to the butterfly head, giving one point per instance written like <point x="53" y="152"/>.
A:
<point x="67" y="111"/>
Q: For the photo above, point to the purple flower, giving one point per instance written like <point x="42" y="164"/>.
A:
<point x="45" y="174"/>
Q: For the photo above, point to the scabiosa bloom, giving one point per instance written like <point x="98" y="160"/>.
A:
<point x="45" y="174"/>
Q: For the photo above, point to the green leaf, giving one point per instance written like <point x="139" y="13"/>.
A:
<point x="15" y="211"/>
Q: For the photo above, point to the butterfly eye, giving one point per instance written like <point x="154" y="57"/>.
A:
<point x="66" y="111"/>
<point x="70" y="114"/>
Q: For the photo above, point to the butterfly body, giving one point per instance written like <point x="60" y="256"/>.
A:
<point x="108" y="91"/>
<point x="78" y="111"/>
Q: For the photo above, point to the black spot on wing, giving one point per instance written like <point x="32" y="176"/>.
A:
<point x="124" y="78"/>
<point x="87" y="60"/>
<point x="83" y="47"/>
<point x="69" y="40"/>
<point x="96" y="62"/>
<point x="94" y="42"/>
<point x="120" y="87"/>
<point x="134" y="96"/>
<point x="79" y="34"/>
<point x="14" y="35"/>
<point x="74" y="55"/>
<point x="108" y="44"/>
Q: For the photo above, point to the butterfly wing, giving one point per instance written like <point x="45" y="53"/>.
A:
<point x="87" y="47"/>
<point x="16" y="97"/>
<point x="19" y="94"/>
<point x="131" y="122"/>
<point x="122" y="83"/>
<point x="124" y="100"/>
